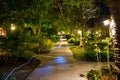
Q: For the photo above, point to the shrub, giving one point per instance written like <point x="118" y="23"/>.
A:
<point x="5" y="59"/>
<point x="103" y="56"/>
<point x="103" y="74"/>
<point x="90" y="55"/>
<point x="78" y="53"/>
<point x="101" y="45"/>
<point x="27" y="54"/>
<point x="45" y="46"/>
<point x="71" y="40"/>
<point x="68" y="36"/>
<point x="54" y="38"/>
<point x="93" y="75"/>
<point x="22" y="56"/>
<point x="75" y="41"/>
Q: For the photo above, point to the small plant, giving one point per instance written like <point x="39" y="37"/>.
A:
<point x="105" y="74"/>
<point x="90" y="55"/>
<point x="71" y="40"/>
<point x="93" y="75"/>
<point x="78" y="53"/>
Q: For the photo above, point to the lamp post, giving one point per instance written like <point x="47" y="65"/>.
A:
<point x="80" y="32"/>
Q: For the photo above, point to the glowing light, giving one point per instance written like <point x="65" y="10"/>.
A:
<point x="12" y="27"/>
<point x="79" y="32"/>
<point x="96" y="32"/>
<point x="2" y="31"/>
<point x="112" y="23"/>
<point x="106" y="22"/>
<point x="113" y="32"/>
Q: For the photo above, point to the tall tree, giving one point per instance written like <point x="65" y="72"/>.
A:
<point x="115" y="24"/>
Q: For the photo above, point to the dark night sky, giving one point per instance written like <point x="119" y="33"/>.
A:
<point x="103" y="12"/>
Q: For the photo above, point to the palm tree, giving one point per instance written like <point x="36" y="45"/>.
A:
<point x="115" y="16"/>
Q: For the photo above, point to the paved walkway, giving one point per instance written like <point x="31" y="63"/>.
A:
<point x="60" y="65"/>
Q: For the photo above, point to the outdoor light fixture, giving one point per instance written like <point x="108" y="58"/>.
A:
<point x="106" y="22"/>
<point x="111" y="24"/>
<point x="12" y="27"/>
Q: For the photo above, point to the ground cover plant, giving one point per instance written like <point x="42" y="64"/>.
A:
<point x="104" y="73"/>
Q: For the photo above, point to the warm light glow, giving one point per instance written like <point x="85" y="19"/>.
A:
<point x="113" y="32"/>
<point x="112" y="23"/>
<point x="2" y="31"/>
<point x="79" y="32"/>
<point x="12" y="27"/>
<point x="96" y="32"/>
<point x="106" y="22"/>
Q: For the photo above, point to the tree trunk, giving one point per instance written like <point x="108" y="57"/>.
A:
<point x="115" y="15"/>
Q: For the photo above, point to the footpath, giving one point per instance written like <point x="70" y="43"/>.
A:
<point x="60" y="65"/>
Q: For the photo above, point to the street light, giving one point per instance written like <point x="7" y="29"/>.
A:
<point x="80" y="32"/>
<point x="111" y="24"/>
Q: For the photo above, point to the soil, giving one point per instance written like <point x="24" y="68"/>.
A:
<point x="23" y="72"/>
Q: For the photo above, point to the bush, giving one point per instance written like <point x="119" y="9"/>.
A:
<point x="103" y="56"/>
<point x="44" y="46"/>
<point x="93" y="75"/>
<point x="78" y="53"/>
<point x="4" y="59"/>
<point x="22" y="56"/>
<point x="90" y="55"/>
<point x="71" y="40"/>
<point x="54" y="38"/>
<point x="27" y="54"/>
<point x="68" y="36"/>
<point x="103" y="74"/>
<point x="102" y="45"/>
<point x="75" y="41"/>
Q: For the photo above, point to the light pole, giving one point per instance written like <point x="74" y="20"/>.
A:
<point x="80" y="32"/>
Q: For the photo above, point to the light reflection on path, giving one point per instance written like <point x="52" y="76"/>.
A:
<point x="60" y="60"/>
<point x="60" y="67"/>
<point x="62" y="43"/>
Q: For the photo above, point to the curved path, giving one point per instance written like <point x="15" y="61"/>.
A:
<point x="60" y="65"/>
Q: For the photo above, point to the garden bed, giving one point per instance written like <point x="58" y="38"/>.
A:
<point x="21" y="73"/>
<point x="103" y="74"/>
